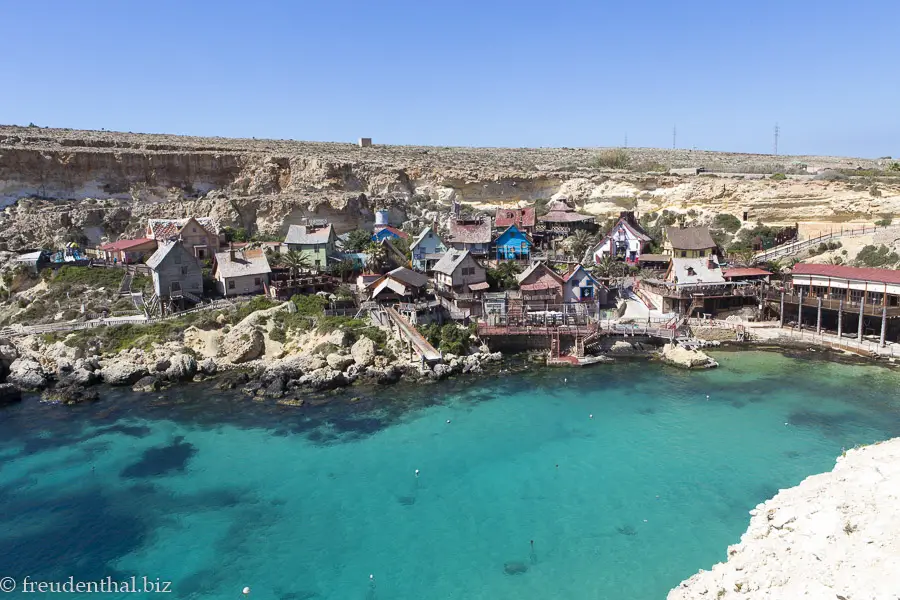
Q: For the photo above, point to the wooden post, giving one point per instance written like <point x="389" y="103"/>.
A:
<point x="819" y="314"/>
<point x="859" y="330"/>
<point x="800" y="311"/>
<point x="781" y="312"/>
<point x="883" y="324"/>
<point x="840" y="318"/>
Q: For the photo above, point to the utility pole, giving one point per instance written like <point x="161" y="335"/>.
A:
<point x="674" y="135"/>
<point x="777" y="131"/>
<point x="626" y="140"/>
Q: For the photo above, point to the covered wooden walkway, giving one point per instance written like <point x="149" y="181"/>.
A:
<point x="411" y="335"/>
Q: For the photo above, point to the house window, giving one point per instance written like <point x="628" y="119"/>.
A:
<point x="257" y="282"/>
<point x="201" y="253"/>
<point x="684" y="254"/>
<point x="690" y="271"/>
<point x="231" y="284"/>
<point x="193" y="230"/>
<point x="702" y="253"/>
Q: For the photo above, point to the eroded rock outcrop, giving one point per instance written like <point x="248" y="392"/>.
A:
<point x="834" y="536"/>
<point x="679" y="356"/>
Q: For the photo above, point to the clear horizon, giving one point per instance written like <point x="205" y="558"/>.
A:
<point x="479" y="75"/>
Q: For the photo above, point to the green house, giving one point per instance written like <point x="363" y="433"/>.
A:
<point x="316" y="243"/>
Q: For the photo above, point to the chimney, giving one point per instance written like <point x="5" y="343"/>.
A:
<point x="231" y="251"/>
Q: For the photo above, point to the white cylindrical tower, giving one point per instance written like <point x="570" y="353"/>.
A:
<point x="381" y="218"/>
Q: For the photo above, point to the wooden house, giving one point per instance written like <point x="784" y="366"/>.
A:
<point x="176" y="272"/>
<point x="127" y="252"/>
<point x="563" y="221"/>
<point x="580" y="287"/>
<point x="541" y="287"/>
<point x="473" y="235"/>
<point x="513" y="244"/>
<point x="689" y="242"/>
<point x="626" y="241"/>
<point x="241" y="272"/>
<point x="427" y="249"/>
<point x="314" y="242"/>
<point x="460" y="282"/>
<point x="200" y="235"/>
<point x="522" y="218"/>
<point x="399" y="285"/>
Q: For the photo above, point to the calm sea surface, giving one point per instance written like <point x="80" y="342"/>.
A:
<point x="214" y="492"/>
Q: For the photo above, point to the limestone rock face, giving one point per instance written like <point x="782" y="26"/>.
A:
<point x="339" y="338"/>
<point x="689" y="359"/>
<point x="363" y="352"/>
<point x="181" y="366"/>
<point x="208" y="366"/>
<point x="242" y="344"/>
<point x="27" y="374"/>
<point x="833" y="536"/>
<point x="9" y="394"/>
<point x="122" y="372"/>
<point x="339" y="361"/>
<point x="323" y="379"/>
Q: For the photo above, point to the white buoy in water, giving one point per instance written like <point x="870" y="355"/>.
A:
<point x="591" y="416"/>
<point x="246" y="591"/>
<point x="448" y="420"/>
<point x="417" y="472"/>
<point x="371" y="577"/>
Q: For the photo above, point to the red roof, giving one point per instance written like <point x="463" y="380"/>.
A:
<point x="744" y="272"/>
<point x="844" y="272"/>
<point x="520" y="217"/>
<point x="395" y="231"/>
<point x="124" y="244"/>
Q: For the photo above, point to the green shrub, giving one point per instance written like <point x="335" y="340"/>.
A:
<point x="876" y="256"/>
<point x="884" y="221"/>
<point x="89" y="276"/>
<point x="329" y="324"/>
<point x="729" y="223"/>
<point x="778" y="177"/>
<point x="278" y="334"/>
<point x="311" y="305"/>
<point x="613" y="158"/>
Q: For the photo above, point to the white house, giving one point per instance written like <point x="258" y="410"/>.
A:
<point x="427" y="249"/>
<point x="580" y="287"/>
<point x="625" y="241"/>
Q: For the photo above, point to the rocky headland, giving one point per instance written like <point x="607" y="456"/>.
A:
<point x="834" y="536"/>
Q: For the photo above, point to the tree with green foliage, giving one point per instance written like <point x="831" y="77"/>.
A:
<point x="605" y="267"/>
<point x="342" y="269"/>
<point x="778" y="177"/>
<point x="504" y="276"/>
<point x="294" y="260"/>
<point x="310" y="305"/>
<point x="579" y="243"/>
<point x="357" y="241"/>
<point x="728" y="222"/>
<point x="235" y="234"/>
<point x="377" y="257"/>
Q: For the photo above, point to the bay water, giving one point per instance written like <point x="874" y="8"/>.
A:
<point x="616" y="481"/>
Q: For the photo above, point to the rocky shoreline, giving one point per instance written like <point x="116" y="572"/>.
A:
<point x="832" y="536"/>
<point x="245" y="356"/>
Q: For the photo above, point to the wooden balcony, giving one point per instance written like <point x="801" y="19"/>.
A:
<point x="848" y="306"/>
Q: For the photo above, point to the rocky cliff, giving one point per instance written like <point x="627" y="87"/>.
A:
<point x="54" y="181"/>
<point x="834" y="536"/>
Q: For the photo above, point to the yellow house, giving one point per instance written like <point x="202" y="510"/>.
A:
<point x="689" y="242"/>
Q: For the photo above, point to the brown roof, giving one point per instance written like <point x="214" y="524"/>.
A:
<point x="654" y="258"/>
<point x="560" y="212"/>
<point x="744" y="272"/>
<point x="166" y="229"/>
<point x="467" y="232"/>
<point x="520" y="217"/>
<point x="690" y="238"/>
<point x="843" y="272"/>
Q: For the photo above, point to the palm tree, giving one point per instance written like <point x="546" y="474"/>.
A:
<point x="295" y="261"/>
<point x="377" y="256"/>
<point x="605" y="267"/>
<point x="579" y="243"/>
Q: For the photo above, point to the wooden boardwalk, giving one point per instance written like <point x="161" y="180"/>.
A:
<point x="408" y="332"/>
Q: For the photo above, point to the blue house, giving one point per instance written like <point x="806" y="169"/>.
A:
<point x="426" y="250"/>
<point x="513" y="244"/>
<point x="388" y="232"/>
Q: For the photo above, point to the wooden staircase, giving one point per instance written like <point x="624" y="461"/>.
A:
<point x="125" y="286"/>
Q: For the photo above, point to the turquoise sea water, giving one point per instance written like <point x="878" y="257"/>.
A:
<point x="215" y="492"/>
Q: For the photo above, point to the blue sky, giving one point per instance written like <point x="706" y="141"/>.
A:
<point x="578" y="73"/>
